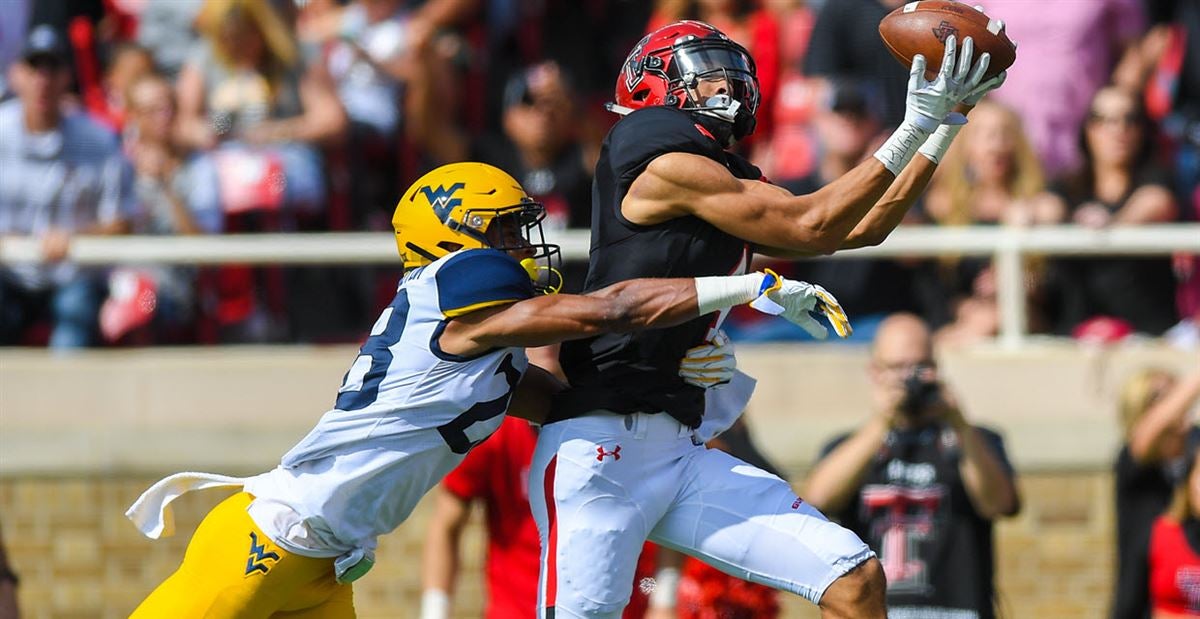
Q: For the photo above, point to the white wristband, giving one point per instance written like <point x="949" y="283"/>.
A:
<point x="936" y="146"/>
<point x="717" y="293"/>
<point x="666" y="585"/>
<point x="435" y="604"/>
<point x="900" y="148"/>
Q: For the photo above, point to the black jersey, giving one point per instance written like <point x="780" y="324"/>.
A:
<point x="638" y="372"/>
<point x="913" y="510"/>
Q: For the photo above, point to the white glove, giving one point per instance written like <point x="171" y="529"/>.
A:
<point x="929" y="104"/>
<point x="710" y="364"/>
<point x="795" y="300"/>
<point x="978" y="93"/>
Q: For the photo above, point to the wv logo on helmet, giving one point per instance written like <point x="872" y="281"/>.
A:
<point x="442" y="199"/>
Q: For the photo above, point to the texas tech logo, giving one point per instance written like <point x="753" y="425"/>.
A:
<point x="944" y="30"/>
<point x="633" y="67"/>
<point x="257" y="562"/>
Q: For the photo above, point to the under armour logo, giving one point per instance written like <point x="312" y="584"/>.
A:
<point x="442" y="199"/>
<point x="258" y="556"/>
<point x="944" y="30"/>
<point x="600" y="453"/>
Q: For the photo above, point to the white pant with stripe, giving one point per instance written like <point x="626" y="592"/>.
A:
<point x="601" y="484"/>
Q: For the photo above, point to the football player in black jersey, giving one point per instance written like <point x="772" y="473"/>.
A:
<point x="620" y="460"/>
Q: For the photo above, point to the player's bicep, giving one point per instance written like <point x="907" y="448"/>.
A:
<point x="679" y="184"/>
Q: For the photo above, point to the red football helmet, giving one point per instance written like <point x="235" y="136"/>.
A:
<point x="667" y="65"/>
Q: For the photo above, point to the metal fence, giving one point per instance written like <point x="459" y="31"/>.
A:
<point x="1007" y="246"/>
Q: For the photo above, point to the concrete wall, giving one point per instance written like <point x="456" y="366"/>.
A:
<point x="82" y="435"/>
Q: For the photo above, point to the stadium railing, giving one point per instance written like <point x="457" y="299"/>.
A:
<point x="1007" y="246"/>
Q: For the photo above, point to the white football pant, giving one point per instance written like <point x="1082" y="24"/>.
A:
<point x="601" y="484"/>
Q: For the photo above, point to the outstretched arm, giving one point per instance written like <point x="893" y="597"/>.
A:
<point x="636" y="305"/>
<point x="883" y="216"/>
<point x="620" y="308"/>
<point x="678" y="184"/>
<point x="899" y="197"/>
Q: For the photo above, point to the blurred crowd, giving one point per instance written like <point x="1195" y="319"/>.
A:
<point x="169" y="117"/>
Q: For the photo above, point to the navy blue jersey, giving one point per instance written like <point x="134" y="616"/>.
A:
<point x="638" y="372"/>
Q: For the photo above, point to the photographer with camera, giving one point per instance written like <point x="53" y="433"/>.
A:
<point x="919" y="483"/>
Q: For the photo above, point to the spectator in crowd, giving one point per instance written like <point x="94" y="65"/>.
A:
<point x="176" y="197"/>
<point x="789" y="152"/>
<point x="1165" y="64"/>
<point x="990" y="176"/>
<point x="367" y="53"/>
<point x="919" y="483"/>
<point x="1157" y="416"/>
<point x="539" y="146"/>
<point x="367" y="62"/>
<point x="165" y="27"/>
<point x="1118" y="185"/>
<point x="1068" y="51"/>
<point x="1175" y="548"/>
<point x="12" y="37"/>
<point x="63" y="175"/>
<point x="244" y="93"/>
<point x="846" y="45"/>
<point x="126" y="64"/>
<point x="8" y="586"/>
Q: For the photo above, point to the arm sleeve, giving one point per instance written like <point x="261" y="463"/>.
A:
<point x="475" y="279"/>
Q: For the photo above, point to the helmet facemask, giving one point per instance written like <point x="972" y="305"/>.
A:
<point x="518" y="232"/>
<point x="693" y="65"/>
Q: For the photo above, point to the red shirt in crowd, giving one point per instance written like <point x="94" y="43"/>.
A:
<point x="1174" y="570"/>
<point x="497" y="472"/>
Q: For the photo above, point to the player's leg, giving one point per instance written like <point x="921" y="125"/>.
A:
<point x="596" y="487"/>
<point x="751" y="524"/>
<point x="232" y="570"/>
<point x="339" y="606"/>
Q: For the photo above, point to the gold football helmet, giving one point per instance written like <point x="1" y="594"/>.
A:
<point x="474" y="205"/>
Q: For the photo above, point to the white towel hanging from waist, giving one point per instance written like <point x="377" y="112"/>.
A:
<point x="151" y="512"/>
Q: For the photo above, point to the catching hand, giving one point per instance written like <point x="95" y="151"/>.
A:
<point x="796" y="301"/>
<point x="711" y="364"/>
<point x="929" y="104"/>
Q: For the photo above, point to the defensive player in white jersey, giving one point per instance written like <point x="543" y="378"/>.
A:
<point x="442" y="364"/>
